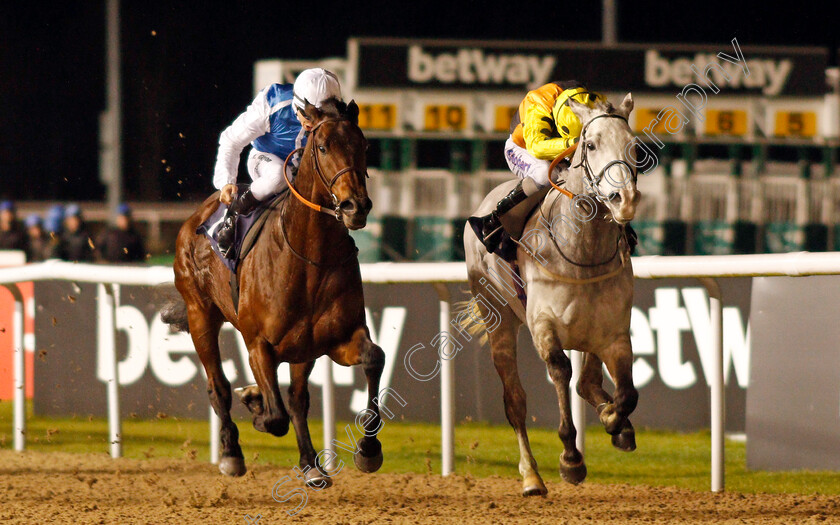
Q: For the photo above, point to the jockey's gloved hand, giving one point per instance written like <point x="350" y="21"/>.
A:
<point x="228" y="193"/>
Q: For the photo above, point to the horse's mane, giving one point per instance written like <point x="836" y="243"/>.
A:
<point x="606" y="107"/>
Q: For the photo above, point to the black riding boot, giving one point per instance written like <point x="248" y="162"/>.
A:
<point x="244" y="203"/>
<point x="489" y="227"/>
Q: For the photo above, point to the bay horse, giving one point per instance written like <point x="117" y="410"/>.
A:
<point x="300" y="295"/>
<point x="575" y="265"/>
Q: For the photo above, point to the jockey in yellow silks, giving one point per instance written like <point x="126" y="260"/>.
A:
<point x="542" y="128"/>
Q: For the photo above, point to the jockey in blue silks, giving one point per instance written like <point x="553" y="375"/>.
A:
<point x="275" y="125"/>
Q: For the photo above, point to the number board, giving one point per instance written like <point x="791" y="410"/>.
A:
<point x="378" y="116"/>
<point x="502" y="117"/>
<point x="444" y="117"/>
<point x="725" y="122"/>
<point x="644" y="116"/>
<point x="795" y="124"/>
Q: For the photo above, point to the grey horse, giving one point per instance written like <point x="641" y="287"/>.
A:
<point x="573" y="258"/>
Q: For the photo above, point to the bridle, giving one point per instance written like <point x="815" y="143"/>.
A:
<point x="591" y="180"/>
<point x="328" y="184"/>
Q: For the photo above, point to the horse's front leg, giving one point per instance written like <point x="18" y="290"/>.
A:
<point x="572" y="466"/>
<point x="619" y="360"/>
<point x="270" y="414"/>
<point x="590" y="388"/>
<point x="361" y="350"/>
<point x="314" y="474"/>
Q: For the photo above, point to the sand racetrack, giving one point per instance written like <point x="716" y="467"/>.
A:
<point x="93" y="488"/>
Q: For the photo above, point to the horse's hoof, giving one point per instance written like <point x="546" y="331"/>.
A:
<point x="250" y="397"/>
<point x="625" y="440"/>
<point x="317" y="479"/>
<point x="232" y="466"/>
<point x="276" y="427"/>
<point x="610" y="419"/>
<point x="246" y="391"/>
<point x="537" y="489"/>
<point x="370" y="464"/>
<point x="574" y="474"/>
<point x="532" y="484"/>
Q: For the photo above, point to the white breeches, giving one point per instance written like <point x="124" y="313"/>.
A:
<point x="266" y="171"/>
<point x="526" y="166"/>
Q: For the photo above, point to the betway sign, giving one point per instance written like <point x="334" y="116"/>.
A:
<point x="160" y="372"/>
<point x="463" y="64"/>
<point x="473" y="65"/>
<point x="768" y="75"/>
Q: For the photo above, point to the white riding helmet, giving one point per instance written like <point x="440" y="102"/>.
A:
<point x="315" y="86"/>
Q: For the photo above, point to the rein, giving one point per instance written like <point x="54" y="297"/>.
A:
<point x="571" y="280"/>
<point x="335" y="211"/>
<point x="304" y="258"/>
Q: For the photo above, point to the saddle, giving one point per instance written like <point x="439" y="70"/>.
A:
<point x="248" y="229"/>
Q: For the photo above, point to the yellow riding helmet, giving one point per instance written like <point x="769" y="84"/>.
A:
<point x="568" y="125"/>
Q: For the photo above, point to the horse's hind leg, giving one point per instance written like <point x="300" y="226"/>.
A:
<point x="590" y="388"/>
<point x="272" y="417"/>
<point x="361" y="350"/>
<point x="572" y="466"/>
<point x="503" y="349"/>
<point x="314" y="474"/>
<point x="204" y="329"/>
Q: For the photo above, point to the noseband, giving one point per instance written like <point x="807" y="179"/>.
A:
<point x="328" y="184"/>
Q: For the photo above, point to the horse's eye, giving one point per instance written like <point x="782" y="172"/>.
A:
<point x="590" y="145"/>
<point x="322" y="149"/>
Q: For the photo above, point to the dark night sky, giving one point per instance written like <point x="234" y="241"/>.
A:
<point x="187" y="69"/>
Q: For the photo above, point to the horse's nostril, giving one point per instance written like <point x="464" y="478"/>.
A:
<point x="348" y="206"/>
<point x="613" y="196"/>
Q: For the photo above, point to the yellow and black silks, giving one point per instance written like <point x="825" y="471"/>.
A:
<point x="545" y="124"/>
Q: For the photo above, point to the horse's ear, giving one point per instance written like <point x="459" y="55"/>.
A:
<point x="626" y="105"/>
<point x="353" y="112"/>
<point x="312" y="113"/>
<point x="581" y="111"/>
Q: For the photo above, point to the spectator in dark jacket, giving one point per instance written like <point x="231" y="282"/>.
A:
<point x="122" y="243"/>
<point x="76" y="242"/>
<point x="52" y="232"/>
<point x="12" y="236"/>
<point x="38" y="243"/>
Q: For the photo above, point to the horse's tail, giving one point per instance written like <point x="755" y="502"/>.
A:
<point x="468" y="314"/>
<point x="174" y="313"/>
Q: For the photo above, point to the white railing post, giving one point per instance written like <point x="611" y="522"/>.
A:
<point x="328" y="408"/>
<point x="108" y="297"/>
<point x="19" y="370"/>
<point x="215" y="436"/>
<point x="578" y="403"/>
<point x="718" y="405"/>
<point x="447" y="391"/>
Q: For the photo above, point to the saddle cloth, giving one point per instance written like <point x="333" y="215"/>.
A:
<point x="248" y="228"/>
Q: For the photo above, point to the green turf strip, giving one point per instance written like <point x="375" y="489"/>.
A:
<point x="662" y="458"/>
